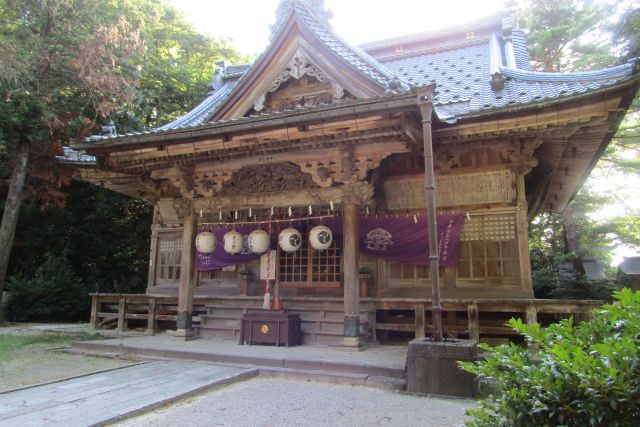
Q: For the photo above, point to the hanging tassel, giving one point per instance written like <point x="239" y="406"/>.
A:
<point x="266" y="303"/>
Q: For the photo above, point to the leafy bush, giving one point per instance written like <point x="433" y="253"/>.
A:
<point x="583" y="375"/>
<point x="54" y="293"/>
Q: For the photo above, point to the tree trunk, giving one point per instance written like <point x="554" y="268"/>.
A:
<point x="11" y="211"/>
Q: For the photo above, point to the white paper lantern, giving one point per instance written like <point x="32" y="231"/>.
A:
<point x="259" y="241"/>
<point x="205" y="242"/>
<point x="233" y="242"/>
<point x="290" y="240"/>
<point x="320" y="237"/>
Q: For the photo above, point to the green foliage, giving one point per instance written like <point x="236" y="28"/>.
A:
<point x="583" y="375"/>
<point x="10" y="344"/>
<point x="597" y="238"/>
<point x="54" y="293"/>
<point x="564" y="35"/>
<point x="66" y="67"/>
<point x="106" y="236"/>
<point x="176" y="65"/>
<point x="626" y="33"/>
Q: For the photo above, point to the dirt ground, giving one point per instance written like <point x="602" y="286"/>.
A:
<point x="39" y="363"/>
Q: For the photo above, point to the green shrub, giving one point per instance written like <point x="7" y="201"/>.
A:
<point x="583" y="375"/>
<point x="54" y="293"/>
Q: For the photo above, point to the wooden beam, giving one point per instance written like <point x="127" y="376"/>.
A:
<point x="294" y="119"/>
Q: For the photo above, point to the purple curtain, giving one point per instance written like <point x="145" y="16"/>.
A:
<point x="405" y="239"/>
<point x="394" y="238"/>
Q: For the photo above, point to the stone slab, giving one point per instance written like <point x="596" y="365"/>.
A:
<point x="107" y="396"/>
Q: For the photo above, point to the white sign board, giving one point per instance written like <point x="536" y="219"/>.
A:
<point x="271" y="266"/>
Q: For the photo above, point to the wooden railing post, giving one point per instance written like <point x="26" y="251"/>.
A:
<point x="122" y="304"/>
<point x="530" y="314"/>
<point x="420" y="322"/>
<point x="474" y="322"/>
<point x="244" y="283"/>
<point x="95" y="308"/>
<point x="151" y="316"/>
<point x="531" y="317"/>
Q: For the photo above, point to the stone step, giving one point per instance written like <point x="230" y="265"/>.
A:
<point x="353" y="373"/>
<point x="375" y="381"/>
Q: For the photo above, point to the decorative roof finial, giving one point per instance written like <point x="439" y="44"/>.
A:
<point x="316" y="7"/>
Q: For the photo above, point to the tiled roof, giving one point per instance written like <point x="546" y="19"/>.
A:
<point x="76" y="157"/>
<point x="203" y="111"/>
<point x="630" y="266"/>
<point x="463" y="80"/>
<point x="520" y="51"/>
<point x="461" y="76"/>
<point x="462" y="73"/>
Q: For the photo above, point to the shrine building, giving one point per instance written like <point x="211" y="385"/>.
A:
<point x="333" y="152"/>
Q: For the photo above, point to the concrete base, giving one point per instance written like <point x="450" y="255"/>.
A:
<point x="185" y="334"/>
<point x="349" y="344"/>
<point x="432" y="367"/>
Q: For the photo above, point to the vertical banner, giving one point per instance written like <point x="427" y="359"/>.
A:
<point x="268" y="267"/>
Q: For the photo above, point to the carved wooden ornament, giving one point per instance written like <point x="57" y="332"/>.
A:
<point x="297" y="67"/>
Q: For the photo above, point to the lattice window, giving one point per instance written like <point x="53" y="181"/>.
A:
<point x="407" y="274"/>
<point x="169" y="255"/>
<point x="309" y="267"/>
<point x="489" y="227"/>
<point x="218" y="274"/>
<point x="488" y="248"/>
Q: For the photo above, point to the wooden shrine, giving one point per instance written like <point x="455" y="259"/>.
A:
<point x="317" y="125"/>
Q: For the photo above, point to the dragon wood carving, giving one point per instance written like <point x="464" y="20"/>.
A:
<point x="267" y="178"/>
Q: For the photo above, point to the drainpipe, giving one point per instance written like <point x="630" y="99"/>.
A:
<point x="425" y="104"/>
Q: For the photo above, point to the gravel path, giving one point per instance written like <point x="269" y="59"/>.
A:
<point x="281" y="403"/>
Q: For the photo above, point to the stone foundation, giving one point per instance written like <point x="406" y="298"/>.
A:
<point x="432" y="367"/>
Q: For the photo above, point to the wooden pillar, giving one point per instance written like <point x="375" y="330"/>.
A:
<point x="522" y="230"/>
<point x="425" y="104"/>
<point x="419" y="319"/>
<point x="95" y="308"/>
<point x="184" y="328"/>
<point x="151" y="316"/>
<point x="122" y="319"/>
<point x="531" y="314"/>
<point x="153" y="253"/>
<point x="474" y="322"/>
<point x="531" y="317"/>
<point x="350" y="273"/>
